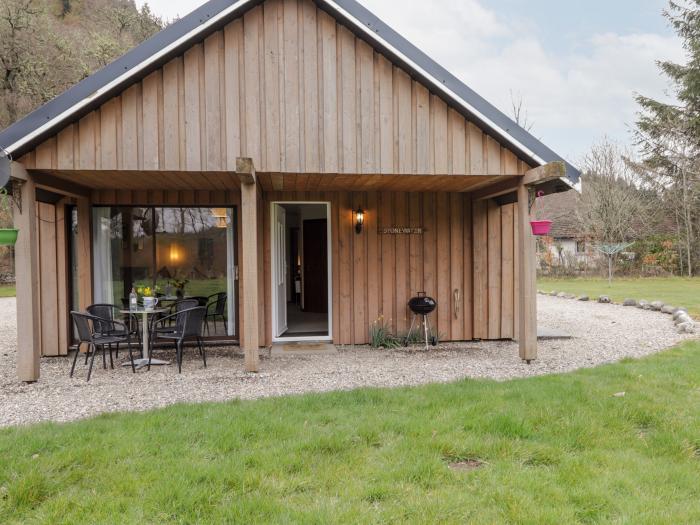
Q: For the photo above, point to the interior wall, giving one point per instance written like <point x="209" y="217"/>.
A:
<point x="308" y="212"/>
<point x="293" y="220"/>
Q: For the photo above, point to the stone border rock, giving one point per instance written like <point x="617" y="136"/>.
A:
<point x="684" y="323"/>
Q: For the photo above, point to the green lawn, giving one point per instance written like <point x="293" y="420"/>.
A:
<point x="678" y="291"/>
<point x="7" y="290"/>
<point x="557" y="449"/>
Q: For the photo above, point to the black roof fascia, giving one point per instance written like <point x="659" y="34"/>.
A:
<point x="88" y="86"/>
<point x="440" y="74"/>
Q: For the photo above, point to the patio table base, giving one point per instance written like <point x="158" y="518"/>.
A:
<point x="143" y="362"/>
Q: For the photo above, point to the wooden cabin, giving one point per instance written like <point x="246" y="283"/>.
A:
<point x="297" y="156"/>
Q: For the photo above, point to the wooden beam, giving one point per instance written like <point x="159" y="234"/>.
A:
<point x="26" y="275"/>
<point x="527" y="300"/>
<point x="497" y="189"/>
<point x="277" y="181"/>
<point x="84" y="254"/>
<point x="61" y="186"/>
<point x="546" y="173"/>
<point x="245" y="170"/>
<point x="17" y="171"/>
<point x="249" y="263"/>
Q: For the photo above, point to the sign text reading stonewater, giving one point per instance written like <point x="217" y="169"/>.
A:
<point x="401" y="231"/>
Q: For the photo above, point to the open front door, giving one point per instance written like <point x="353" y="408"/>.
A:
<point x="280" y="269"/>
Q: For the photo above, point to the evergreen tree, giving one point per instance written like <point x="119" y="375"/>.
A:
<point x="668" y="134"/>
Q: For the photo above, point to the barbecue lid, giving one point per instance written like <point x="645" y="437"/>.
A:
<point x="421" y="303"/>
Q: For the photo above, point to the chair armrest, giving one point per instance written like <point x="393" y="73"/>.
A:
<point x="118" y="323"/>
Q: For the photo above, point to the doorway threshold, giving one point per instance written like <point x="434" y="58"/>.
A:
<point x="303" y="348"/>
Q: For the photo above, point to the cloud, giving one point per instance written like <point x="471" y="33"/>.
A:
<point x="572" y="96"/>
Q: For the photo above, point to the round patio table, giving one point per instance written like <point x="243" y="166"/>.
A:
<point x="140" y="363"/>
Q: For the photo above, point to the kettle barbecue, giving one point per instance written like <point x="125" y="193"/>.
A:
<point x="422" y="305"/>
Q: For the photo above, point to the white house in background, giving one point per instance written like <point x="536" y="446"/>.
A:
<point x="566" y="245"/>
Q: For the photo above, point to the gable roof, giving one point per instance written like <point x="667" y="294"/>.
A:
<point x="91" y="92"/>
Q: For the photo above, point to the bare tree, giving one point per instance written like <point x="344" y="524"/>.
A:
<point x="519" y="112"/>
<point x="614" y="208"/>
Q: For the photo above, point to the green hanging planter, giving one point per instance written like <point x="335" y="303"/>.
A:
<point x="8" y="237"/>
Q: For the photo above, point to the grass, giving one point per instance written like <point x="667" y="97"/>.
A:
<point x="7" y="290"/>
<point x="678" y="291"/>
<point x="557" y="449"/>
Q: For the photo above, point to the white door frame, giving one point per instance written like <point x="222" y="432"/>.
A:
<point x="275" y="260"/>
<point x="279" y="268"/>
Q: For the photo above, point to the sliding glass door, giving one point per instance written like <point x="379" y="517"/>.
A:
<point x="181" y="252"/>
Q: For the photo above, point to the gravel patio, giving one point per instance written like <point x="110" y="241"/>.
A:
<point x="602" y="333"/>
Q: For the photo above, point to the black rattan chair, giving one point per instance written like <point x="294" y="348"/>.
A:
<point x="183" y="304"/>
<point x="86" y="327"/>
<point x="111" y="312"/>
<point x="216" y="307"/>
<point x="203" y="301"/>
<point x="188" y="325"/>
<point x="177" y="306"/>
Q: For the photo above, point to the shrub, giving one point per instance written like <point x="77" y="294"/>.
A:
<point x="380" y="335"/>
<point x="657" y="255"/>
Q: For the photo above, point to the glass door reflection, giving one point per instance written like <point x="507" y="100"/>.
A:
<point x="178" y="251"/>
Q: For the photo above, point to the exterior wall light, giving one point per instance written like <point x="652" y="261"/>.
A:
<point x="219" y="215"/>
<point x="359" y="220"/>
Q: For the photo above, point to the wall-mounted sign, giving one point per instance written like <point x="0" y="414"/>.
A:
<point x="401" y="231"/>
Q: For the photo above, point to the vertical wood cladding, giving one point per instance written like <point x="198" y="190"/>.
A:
<point x="464" y="259"/>
<point x="289" y="87"/>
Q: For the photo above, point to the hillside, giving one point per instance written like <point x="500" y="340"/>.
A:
<point x="48" y="45"/>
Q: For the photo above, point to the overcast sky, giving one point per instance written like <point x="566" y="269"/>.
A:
<point x="575" y="64"/>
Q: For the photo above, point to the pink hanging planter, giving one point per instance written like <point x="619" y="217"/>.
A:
<point x="540" y="227"/>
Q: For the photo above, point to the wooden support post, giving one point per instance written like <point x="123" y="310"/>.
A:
<point x="26" y="275"/>
<point x="62" y="278"/>
<point x="249" y="262"/>
<point x="527" y="320"/>
<point x="84" y="254"/>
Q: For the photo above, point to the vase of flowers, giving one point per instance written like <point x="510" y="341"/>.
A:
<point x="144" y="290"/>
<point x="179" y="285"/>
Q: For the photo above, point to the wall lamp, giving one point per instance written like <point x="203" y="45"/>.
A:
<point x="359" y="220"/>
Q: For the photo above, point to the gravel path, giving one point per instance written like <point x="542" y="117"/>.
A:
<point x="602" y="333"/>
